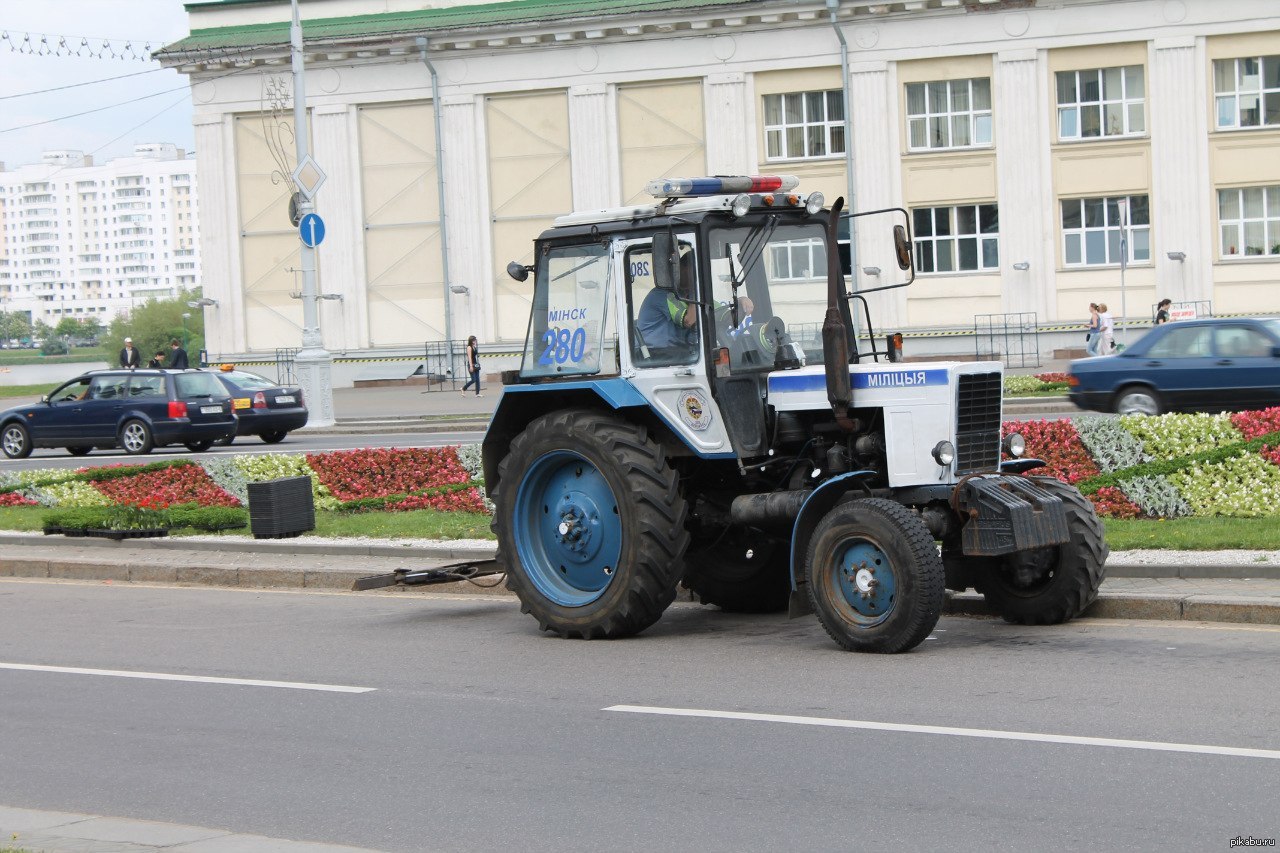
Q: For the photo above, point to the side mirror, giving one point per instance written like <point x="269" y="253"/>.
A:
<point x="44" y="398"/>
<point x="666" y="262"/>
<point x="518" y="271"/>
<point x="902" y="247"/>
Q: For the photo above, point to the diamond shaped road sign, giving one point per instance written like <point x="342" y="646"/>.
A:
<point x="309" y="177"/>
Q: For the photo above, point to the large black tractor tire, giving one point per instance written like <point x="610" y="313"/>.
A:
<point x="1048" y="586"/>
<point x="741" y="571"/>
<point x="874" y="576"/>
<point x="590" y="524"/>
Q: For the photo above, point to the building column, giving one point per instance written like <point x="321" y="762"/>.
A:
<point x="466" y="202"/>
<point x="1179" y="171"/>
<point x="877" y="170"/>
<point x="730" y="131"/>
<point x="593" y="150"/>
<point x="343" y="324"/>
<point x="220" y="274"/>
<point x="1019" y="101"/>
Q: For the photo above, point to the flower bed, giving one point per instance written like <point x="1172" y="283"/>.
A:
<point x="1016" y="384"/>
<point x="1166" y="466"/>
<point x="385" y="479"/>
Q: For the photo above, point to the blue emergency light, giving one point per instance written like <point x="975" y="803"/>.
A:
<point x="724" y="185"/>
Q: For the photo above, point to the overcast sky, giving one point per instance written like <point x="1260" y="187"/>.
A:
<point x="112" y="132"/>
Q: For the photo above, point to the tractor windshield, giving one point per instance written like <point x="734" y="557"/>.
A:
<point x="567" y="325"/>
<point x="769" y="285"/>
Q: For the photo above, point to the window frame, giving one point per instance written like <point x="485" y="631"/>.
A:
<point x="930" y="115"/>
<point x="1083" y="230"/>
<point x="830" y="127"/>
<point x="1265" y="61"/>
<point x="1269" y="221"/>
<point x="1125" y="102"/>
<point x="954" y="236"/>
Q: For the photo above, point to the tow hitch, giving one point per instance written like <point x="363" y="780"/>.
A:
<point x="452" y="573"/>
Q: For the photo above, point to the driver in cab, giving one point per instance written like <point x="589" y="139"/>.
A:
<point x="667" y="322"/>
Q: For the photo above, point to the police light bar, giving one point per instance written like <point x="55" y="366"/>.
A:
<point x="688" y="187"/>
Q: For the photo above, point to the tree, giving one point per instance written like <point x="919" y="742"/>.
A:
<point x="68" y="327"/>
<point x="14" y="325"/>
<point x="156" y="322"/>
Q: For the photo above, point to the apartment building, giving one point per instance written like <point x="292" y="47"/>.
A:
<point x="1025" y="138"/>
<point x="84" y="240"/>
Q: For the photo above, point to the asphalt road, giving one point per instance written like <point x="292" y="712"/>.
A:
<point x="475" y="732"/>
<point x="296" y="442"/>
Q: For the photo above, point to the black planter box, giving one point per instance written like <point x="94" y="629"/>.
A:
<point x="281" y="508"/>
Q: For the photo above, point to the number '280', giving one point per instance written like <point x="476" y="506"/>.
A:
<point x="563" y="345"/>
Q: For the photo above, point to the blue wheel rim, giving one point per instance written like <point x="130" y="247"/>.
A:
<point x="567" y="529"/>
<point x="867" y="582"/>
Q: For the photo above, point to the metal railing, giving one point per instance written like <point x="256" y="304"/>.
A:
<point x="1011" y="338"/>
<point x="285" y="360"/>
<point x="444" y="365"/>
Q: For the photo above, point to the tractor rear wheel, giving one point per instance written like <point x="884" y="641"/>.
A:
<point x="1049" y="585"/>
<point x="874" y="576"/>
<point x="741" y="571"/>
<point x="590" y="525"/>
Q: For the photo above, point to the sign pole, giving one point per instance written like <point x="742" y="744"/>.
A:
<point x="314" y="364"/>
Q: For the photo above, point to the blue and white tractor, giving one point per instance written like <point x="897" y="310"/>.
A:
<point x="693" y="408"/>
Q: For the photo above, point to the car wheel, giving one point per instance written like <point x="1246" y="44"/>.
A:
<point x="15" y="441"/>
<point x="273" y="436"/>
<point x="199" y="446"/>
<point x="1137" y="400"/>
<point x="135" y="438"/>
<point x="79" y="451"/>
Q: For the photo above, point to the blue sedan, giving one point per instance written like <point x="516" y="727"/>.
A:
<point x="1216" y="365"/>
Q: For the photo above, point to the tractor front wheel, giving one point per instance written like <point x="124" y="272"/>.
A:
<point x="1049" y="585"/>
<point x="590" y="525"/>
<point x="874" y="576"/>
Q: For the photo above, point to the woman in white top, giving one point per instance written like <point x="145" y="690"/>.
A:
<point x="1106" y="329"/>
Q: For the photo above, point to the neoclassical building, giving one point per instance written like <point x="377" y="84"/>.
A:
<point x="1024" y="137"/>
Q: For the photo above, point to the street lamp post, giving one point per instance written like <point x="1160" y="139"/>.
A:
<point x="1123" y="206"/>
<point x="185" y="318"/>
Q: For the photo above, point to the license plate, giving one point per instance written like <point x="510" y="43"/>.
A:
<point x="285" y="398"/>
<point x="210" y="410"/>
<point x="241" y="402"/>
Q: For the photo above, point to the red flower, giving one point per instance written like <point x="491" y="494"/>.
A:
<point x="381" y="471"/>
<point x="1059" y="445"/>
<point x="15" y="499"/>
<point x="1254" y="424"/>
<point x="166" y="487"/>
<point x="1052" y="377"/>
<point x="1113" y="503"/>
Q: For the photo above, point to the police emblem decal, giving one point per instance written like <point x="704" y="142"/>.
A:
<point x="693" y="410"/>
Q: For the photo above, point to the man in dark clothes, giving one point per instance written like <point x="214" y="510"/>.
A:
<point x="177" y="356"/>
<point x="157" y="361"/>
<point x="129" y="356"/>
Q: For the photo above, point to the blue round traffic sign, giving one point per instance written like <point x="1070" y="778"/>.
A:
<point x="312" y="230"/>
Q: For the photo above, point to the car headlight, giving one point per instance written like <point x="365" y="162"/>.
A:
<point x="1014" y="445"/>
<point x="814" y="203"/>
<point x="741" y="204"/>
<point x="944" y="452"/>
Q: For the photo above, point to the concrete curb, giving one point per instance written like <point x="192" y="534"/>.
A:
<point x="142" y="566"/>
<point x="261" y="546"/>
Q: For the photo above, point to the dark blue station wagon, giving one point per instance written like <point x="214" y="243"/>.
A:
<point x="1222" y="364"/>
<point x="135" y="410"/>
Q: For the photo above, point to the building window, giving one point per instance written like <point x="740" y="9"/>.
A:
<point x="1091" y="230"/>
<point x="1101" y="102"/>
<point x="1249" y="221"/>
<point x="804" y="125"/>
<point x="949" y="114"/>
<point x="957" y="239"/>
<point x="793" y="260"/>
<point x="1247" y="91"/>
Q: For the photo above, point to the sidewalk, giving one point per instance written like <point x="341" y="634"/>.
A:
<point x="1223" y="587"/>
<point x="48" y="831"/>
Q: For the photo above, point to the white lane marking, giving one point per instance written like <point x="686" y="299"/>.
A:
<point x="993" y="734"/>
<point x="201" y="679"/>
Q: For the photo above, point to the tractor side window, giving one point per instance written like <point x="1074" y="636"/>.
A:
<point x="664" y="329"/>
<point x="568" y="323"/>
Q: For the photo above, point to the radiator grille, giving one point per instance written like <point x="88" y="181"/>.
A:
<point x="978" y="422"/>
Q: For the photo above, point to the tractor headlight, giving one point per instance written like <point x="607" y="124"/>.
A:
<point x="741" y="204"/>
<point x="1014" y="445"/>
<point x="813" y="203"/>
<point x="944" y="453"/>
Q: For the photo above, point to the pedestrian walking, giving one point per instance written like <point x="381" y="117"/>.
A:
<point x="129" y="356"/>
<point x="157" y="361"/>
<point x="1106" y="330"/>
<point x="177" y="356"/>
<point x="473" y="365"/>
<point x="1093" y="337"/>
<point x="1162" y="311"/>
